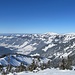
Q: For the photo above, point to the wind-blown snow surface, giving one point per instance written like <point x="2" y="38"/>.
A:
<point x="48" y="72"/>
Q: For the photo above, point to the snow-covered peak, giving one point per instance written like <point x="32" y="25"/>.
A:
<point x="69" y="34"/>
<point x="51" y="33"/>
<point x="18" y="35"/>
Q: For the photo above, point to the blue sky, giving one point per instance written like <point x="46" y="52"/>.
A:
<point x="37" y="16"/>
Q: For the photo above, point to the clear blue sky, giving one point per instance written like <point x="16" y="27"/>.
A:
<point x="37" y="16"/>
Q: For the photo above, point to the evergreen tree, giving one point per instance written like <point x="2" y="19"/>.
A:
<point x="68" y="63"/>
<point x="48" y="64"/>
<point x="32" y="66"/>
<point x="62" y="64"/>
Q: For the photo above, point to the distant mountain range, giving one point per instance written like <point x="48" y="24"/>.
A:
<point x="50" y="45"/>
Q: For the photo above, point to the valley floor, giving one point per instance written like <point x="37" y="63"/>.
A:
<point x="48" y="72"/>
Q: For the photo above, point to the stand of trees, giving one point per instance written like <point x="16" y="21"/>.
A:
<point x="36" y="65"/>
<point x="65" y="63"/>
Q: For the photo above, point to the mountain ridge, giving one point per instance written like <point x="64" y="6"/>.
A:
<point x="38" y="43"/>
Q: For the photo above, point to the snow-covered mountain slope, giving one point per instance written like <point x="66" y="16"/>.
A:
<point x="46" y="45"/>
<point x="18" y="59"/>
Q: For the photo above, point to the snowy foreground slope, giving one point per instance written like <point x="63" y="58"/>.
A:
<point x="48" y="72"/>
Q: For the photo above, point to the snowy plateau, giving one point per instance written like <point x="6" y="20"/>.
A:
<point x="21" y="49"/>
